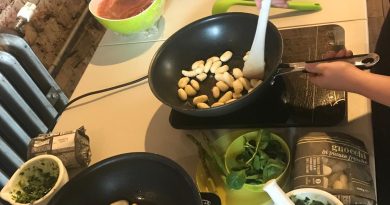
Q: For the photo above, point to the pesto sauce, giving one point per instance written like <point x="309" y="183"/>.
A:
<point x="36" y="184"/>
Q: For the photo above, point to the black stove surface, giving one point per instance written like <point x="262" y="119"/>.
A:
<point x="292" y="101"/>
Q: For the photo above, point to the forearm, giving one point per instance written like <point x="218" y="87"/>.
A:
<point x="374" y="86"/>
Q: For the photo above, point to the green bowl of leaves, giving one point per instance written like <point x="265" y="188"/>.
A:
<point x="256" y="157"/>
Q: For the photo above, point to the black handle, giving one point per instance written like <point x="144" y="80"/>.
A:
<point x="210" y="198"/>
<point x="362" y="61"/>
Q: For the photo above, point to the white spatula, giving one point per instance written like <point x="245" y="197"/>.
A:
<point x="254" y="66"/>
<point x="276" y="193"/>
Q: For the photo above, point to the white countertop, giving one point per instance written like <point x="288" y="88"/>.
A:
<point x="179" y="13"/>
<point x="132" y="119"/>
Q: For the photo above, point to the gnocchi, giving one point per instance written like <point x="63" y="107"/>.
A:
<point x="218" y="77"/>
<point x="201" y="77"/>
<point x="197" y="64"/>
<point x="228" y="79"/>
<point x="202" y="105"/>
<point x="182" y="94"/>
<point x="222" y="86"/>
<point x="187" y="73"/>
<point x="216" y="92"/>
<point x="222" y="69"/>
<point x="195" y="84"/>
<point x="237" y="95"/>
<point x="231" y="100"/>
<point x="216" y="104"/>
<point x="215" y="65"/>
<point x="238" y="87"/>
<point x="237" y="73"/>
<point x="183" y="82"/>
<point x="227" y="96"/>
<point x="213" y="59"/>
<point x="200" y="99"/>
<point x="245" y="82"/>
<point x="207" y="66"/>
<point x="190" y="90"/>
<point x="230" y="83"/>
<point x="226" y="56"/>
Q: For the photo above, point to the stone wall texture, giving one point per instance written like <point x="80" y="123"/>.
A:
<point x="49" y="29"/>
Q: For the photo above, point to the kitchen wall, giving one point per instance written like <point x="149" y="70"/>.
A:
<point x="376" y="13"/>
<point x="48" y="31"/>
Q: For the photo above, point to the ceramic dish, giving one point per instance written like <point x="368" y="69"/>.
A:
<point x="315" y="194"/>
<point x="37" y="174"/>
<point x="133" y="24"/>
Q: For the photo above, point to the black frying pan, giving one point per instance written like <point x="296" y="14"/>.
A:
<point x="139" y="178"/>
<point x="211" y="36"/>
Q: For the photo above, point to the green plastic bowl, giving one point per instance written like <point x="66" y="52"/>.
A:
<point x="134" y="24"/>
<point x="237" y="146"/>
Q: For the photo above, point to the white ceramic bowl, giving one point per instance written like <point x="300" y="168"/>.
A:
<point x="315" y="194"/>
<point x="46" y="163"/>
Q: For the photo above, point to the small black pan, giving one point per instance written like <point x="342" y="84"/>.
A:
<point x="211" y="36"/>
<point x="139" y="178"/>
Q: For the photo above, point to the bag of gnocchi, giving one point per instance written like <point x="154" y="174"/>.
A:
<point x="337" y="163"/>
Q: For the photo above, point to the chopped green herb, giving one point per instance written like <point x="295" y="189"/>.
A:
<point x="35" y="185"/>
<point x="307" y="201"/>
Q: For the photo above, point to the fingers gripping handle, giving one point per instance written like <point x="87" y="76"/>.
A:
<point x="363" y="61"/>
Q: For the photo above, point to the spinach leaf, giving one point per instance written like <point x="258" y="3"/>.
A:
<point x="306" y="201"/>
<point x="236" y="179"/>
<point x="265" y="138"/>
<point x="273" y="169"/>
<point x="257" y="165"/>
<point x="275" y="150"/>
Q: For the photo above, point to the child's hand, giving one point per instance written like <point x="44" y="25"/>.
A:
<point x="340" y="53"/>
<point x="337" y="75"/>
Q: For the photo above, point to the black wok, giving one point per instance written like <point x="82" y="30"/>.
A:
<point x="211" y="36"/>
<point x="141" y="178"/>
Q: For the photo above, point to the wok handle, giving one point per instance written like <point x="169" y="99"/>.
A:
<point x="209" y="198"/>
<point x="362" y="61"/>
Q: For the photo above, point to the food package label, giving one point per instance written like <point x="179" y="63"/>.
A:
<point x="337" y="163"/>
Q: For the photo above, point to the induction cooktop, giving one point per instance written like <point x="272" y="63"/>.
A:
<point x="292" y="101"/>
